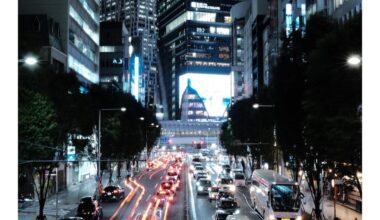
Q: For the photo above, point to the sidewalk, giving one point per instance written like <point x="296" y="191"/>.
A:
<point x="68" y="199"/>
<point x="343" y="212"/>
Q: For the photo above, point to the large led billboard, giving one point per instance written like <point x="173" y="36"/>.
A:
<point x="214" y="90"/>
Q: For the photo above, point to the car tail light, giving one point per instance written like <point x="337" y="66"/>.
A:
<point x="103" y="191"/>
<point x="171" y="198"/>
<point x="115" y="191"/>
<point x="167" y="177"/>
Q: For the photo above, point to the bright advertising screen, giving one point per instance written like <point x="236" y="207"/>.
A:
<point x="214" y="89"/>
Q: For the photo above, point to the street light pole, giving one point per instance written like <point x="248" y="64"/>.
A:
<point x="275" y="149"/>
<point x="123" y="109"/>
<point x="334" y="187"/>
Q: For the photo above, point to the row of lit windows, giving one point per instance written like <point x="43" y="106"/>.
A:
<point x="82" y="70"/>
<point x="86" y="28"/>
<point x="190" y="15"/>
<point x="93" y="15"/>
<point x="204" y="63"/>
<point x="81" y="46"/>
<point x="199" y="55"/>
<point x="197" y="113"/>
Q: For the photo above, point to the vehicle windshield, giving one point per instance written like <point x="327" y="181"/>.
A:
<point x="239" y="176"/>
<point x="199" y="168"/>
<point x="228" y="205"/>
<point x="285" y="198"/>
<point x="222" y="216"/>
<point x="226" y="181"/>
<point x="205" y="183"/>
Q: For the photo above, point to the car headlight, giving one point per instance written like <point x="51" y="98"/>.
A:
<point x="299" y="217"/>
<point x="201" y="188"/>
<point x="232" y="188"/>
<point x="271" y="217"/>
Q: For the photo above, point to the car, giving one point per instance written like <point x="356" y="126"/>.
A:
<point x="193" y="165"/>
<point x="220" y="215"/>
<point x="226" y="183"/>
<point x="226" y="169"/>
<point x="168" y="185"/>
<point x="222" y="193"/>
<point x="236" y="171"/>
<point x="172" y="175"/>
<point x="203" y="185"/>
<point x="227" y="204"/>
<point x="213" y="193"/>
<point x="198" y="169"/>
<point x="166" y="195"/>
<point x="89" y="209"/>
<point x="201" y="174"/>
<point x="112" y="192"/>
<point x="239" y="179"/>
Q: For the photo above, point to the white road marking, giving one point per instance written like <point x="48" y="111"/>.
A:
<point x="246" y="201"/>
<point x="156" y="185"/>
<point x="161" y="178"/>
<point x="147" y="199"/>
<point x="192" y="197"/>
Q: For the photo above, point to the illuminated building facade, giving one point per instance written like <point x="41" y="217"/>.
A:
<point x="194" y="40"/>
<point x="139" y="17"/>
<point x="79" y="32"/>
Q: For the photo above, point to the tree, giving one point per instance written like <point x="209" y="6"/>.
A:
<point x="38" y="138"/>
<point x="333" y="127"/>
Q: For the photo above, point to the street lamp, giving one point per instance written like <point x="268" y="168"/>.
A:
<point x="123" y="109"/>
<point x="354" y="60"/>
<point x="257" y="106"/>
<point x="30" y="60"/>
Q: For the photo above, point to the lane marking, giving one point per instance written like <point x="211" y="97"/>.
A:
<point x="147" y="198"/>
<point x="246" y="201"/>
<point x="192" y="197"/>
<point x="156" y="185"/>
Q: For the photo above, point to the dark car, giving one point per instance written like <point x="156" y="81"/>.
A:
<point x="224" y="193"/>
<point x="226" y="169"/>
<point x="89" y="209"/>
<point x="227" y="204"/>
<point x="112" y="193"/>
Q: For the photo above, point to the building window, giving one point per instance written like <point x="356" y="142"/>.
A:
<point x="36" y="25"/>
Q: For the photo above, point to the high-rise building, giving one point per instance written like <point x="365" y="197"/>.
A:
<point x="139" y="17"/>
<point x="195" y="44"/>
<point x="342" y="10"/>
<point x="250" y="47"/>
<point x="79" y="32"/>
<point x="114" y="55"/>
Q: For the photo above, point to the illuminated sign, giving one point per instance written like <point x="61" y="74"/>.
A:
<point x="216" y="98"/>
<point x="117" y="61"/>
<point x="135" y="88"/>
<point x="204" y="5"/>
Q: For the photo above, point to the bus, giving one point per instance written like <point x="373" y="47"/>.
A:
<point x="274" y="196"/>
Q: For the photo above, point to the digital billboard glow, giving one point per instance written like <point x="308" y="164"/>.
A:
<point x="214" y="89"/>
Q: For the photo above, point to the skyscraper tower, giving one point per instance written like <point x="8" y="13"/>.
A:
<point x="139" y="17"/>
<point x="194" y="41"/>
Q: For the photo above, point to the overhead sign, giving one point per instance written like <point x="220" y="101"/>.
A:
<point x="71" y="156"/>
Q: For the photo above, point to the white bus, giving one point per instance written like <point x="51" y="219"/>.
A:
<point x="275" y="197"/>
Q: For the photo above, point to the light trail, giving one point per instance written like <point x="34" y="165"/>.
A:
<point x="166" y="210"/>
<point x="146" y="211"/>
<point x="126" y="199"/>
<point x="155" y="209"/>
<point x="138" y="200"/>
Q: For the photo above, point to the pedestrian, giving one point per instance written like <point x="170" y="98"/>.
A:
<point x="243" y="165"/>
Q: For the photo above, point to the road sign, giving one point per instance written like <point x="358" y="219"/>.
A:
<point x="71" y="156"/>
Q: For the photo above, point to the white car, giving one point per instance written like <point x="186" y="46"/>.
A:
<point x="226" y="183"/>
<point x="239" y="179"/>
